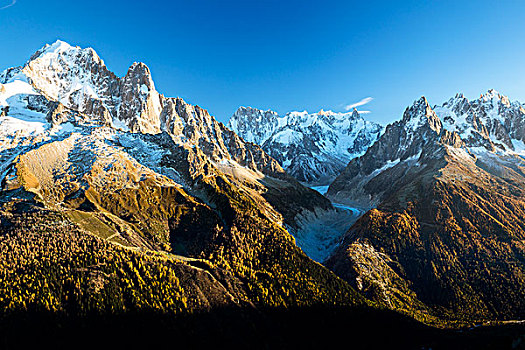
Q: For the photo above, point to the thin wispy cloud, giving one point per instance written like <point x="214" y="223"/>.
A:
<point x="13" y="2"/>
<point x="358" y="104"/>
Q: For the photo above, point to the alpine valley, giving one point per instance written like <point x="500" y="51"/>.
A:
<point x="128" y="218"/>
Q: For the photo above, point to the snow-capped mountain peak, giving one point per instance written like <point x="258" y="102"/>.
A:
<point x="75" y="77"/>
<point x="313" y="147"/>
<point x="420" y="107"/>
<point x="254" y="125"/>
<point x="78" y="79"/>
<point x="489" y="121"/>
<point x="494" y="96"/>
<point x="421" y="114"/>
<point x="54" y="49"/>
<point x="57" y="48"/>
<point x="463" y="130"/>
<point x="65" y="84"/>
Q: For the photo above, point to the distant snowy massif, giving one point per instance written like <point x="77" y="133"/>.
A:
<point x="312" y="147"/>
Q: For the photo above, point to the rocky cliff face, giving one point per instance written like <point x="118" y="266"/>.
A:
<point x="140" y="103"/>
<point x="313" y="148"/>
<point x="447" y="185"/>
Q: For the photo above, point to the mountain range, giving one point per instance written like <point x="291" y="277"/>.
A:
<point x="313" y="148"/>
<point x="84" y="151"/>
<point x="125" y="211"/>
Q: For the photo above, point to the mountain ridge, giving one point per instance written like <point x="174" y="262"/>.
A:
<point x="314" y="147"/>
<point x="445" y="187"/>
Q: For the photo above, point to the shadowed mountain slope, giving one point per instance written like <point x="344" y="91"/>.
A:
<point x="447" y="230"/>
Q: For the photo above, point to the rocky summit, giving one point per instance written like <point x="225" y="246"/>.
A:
<point x="446" y="189"/>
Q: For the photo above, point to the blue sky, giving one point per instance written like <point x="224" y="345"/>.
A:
<point x="289" y="55"/>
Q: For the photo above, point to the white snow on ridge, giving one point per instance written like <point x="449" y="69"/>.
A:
<point x="119" y="124"/>
<point x="287" y="136"/>
<point x="144" y="89"/>
<point x="519" y="146"/>
<point x="68" y="74"/>
<point x="20" y="120"/>
<point x="146" y="153"/>
<point x="13" y="88"/>
<point x="453" y="122"/>
<point x="389" y="164"/>
<point x="11" y="126"/>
